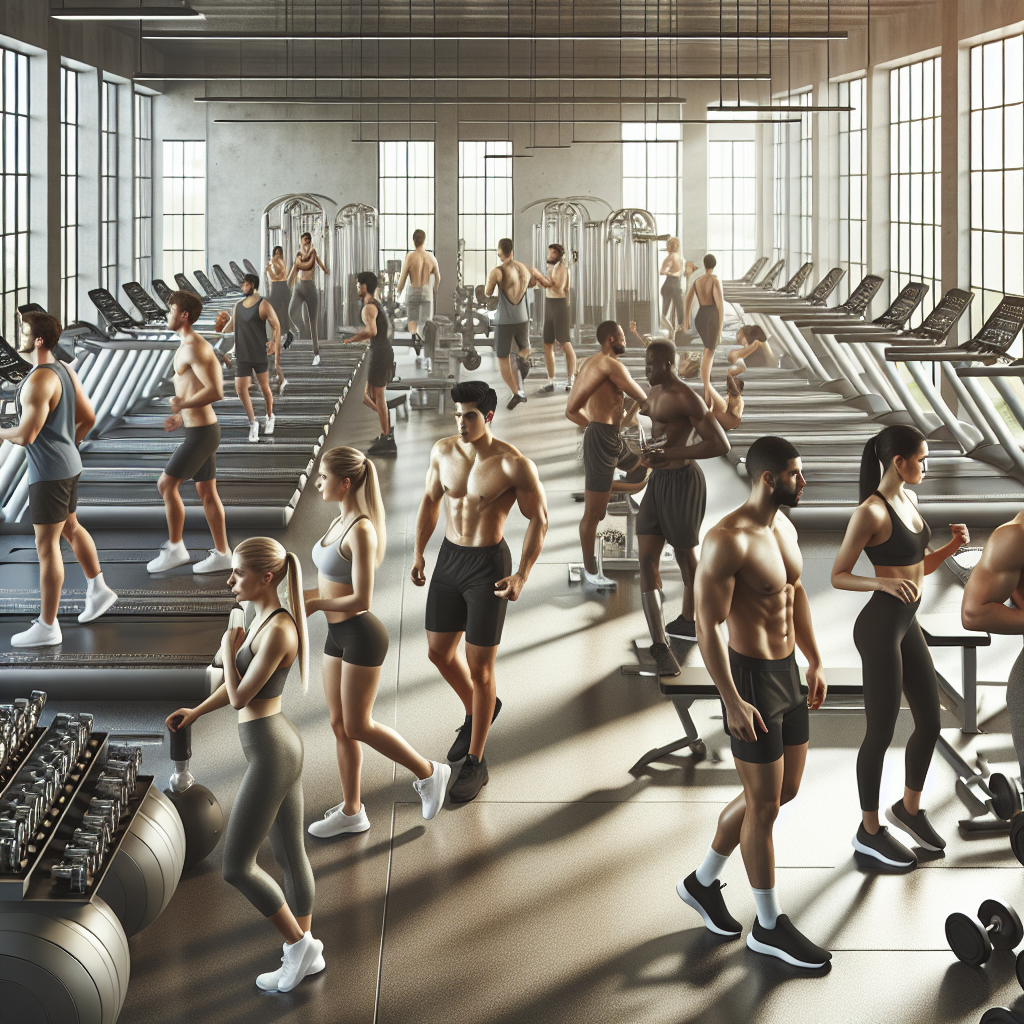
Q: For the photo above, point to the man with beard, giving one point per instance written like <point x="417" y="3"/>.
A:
<point x="556" y="317"/>
<point x="749" y="577"/>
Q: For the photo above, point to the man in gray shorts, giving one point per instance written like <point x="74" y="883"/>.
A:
<point x="512" y="322"/>
<point x="557" y="327"/>
<point x="417" y="270"/>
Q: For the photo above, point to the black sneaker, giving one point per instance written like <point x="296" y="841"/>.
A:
<point x="288" y="339"/>
<point x="472" y="778"/>
<point x="883" y="847"/>
<point x="417" y="342"/>
<point x="524" y="367"/>
<point x="516" y="399"/>
<point x="664" y="659"/>
<point x="682" y="629"/>
<point x="786" y="943"/>
<point x="707" y="901"/>
<point x="464" y="735"/>
<point x="917" y="826"/>
<point x="379" y="445"/>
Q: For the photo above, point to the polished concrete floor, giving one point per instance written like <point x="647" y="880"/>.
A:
<point x="551" y="897"/>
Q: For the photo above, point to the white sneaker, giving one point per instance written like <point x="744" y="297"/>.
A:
<point x="336" y="822"/>
<point x="432" y="790"/>
<point x="268" y="426"/>
<point x="598" y="579"/>
<point x="254" y="430"/>
<point x="297" y="963"/>
<point x="170" y="557"/>
<point x="268" y="982"/>
<point x="97" y="603"/>
<point x="215" y="561"/>
<point x="38" y="635"/>
<point x="316" y="359"/>
<point x="281" y="385"/>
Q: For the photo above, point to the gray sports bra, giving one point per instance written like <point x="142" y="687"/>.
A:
<point x="274" y="686"/>
<point x="329" y="561"/>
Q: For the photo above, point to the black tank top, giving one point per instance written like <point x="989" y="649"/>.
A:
<point x="381" y="338"/>
<point x="904" y="547"/>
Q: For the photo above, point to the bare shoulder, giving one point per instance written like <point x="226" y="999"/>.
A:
<point x="726" y="544"/>
<point x="443" y="446"/>
<point x="872" y="509"/>
<point x="1005" y="547"/>
<point x="517" y="465"/>
<point x="784" y="527"/>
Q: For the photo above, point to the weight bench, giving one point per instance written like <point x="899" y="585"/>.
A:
<point x="399" y="405"/>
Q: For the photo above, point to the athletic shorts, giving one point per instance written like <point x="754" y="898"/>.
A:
<point x="196" y="457"/>
<point x="247" y="369"/>
<point x="382" y="361"/>
<point x="461" y="596"/>
<point x="52" y="501"/>
<point x="773" y="687"/>
<point x="505" y="334"/>
<point x="419" y="303"/>
<point x="604" y="451"/>
<point x="556" y="321"/>
<point x="361" y="640"/>
<point x="673" y="506"/>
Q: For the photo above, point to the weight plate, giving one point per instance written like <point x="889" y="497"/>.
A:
<point x="1017" y="837"/>
<point x="968" y="939"/>
<point x="1000" y="1015"/>
<point x="1008" y="931"/>
<point x="1019" y="968"/>
<point x="1005" y="798"/>
<point x="471" y="360"/>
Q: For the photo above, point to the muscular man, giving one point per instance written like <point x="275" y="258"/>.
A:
<point x="749" y="577"/>
<point x="556" y="317"/>
<point x="478" y="479"/>
<point x="596" y="403"/>
<point x="683" y="430"/>
<point x="382" y="359"/>
<point x="54" y="416"/>
<point x="249" y="322"/>
<point x="198" y="383"/>
<point x="752" y="349"/>
<point x="512" y="279"/>
<point x="419" y="297"/>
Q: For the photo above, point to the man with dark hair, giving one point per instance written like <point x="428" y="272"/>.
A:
<point x="53" y="417"/>
<point x="596" y="404"/>
<point x="478" y="479"/>
<point x="749" y="576"/>
<point x="417" y="269"/>
<point x="752" y="349"/>
<point x="512" y="321"/>
<point x="382" y="361"/>
<point x="249" y="322"/>
<point x="198" y="383"/>
<point x="709" y="319"/>
<point x="556" y="316"/>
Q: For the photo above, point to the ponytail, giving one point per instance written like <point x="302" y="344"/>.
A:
<point x="297" y="606"/>
<point x="899" y="439"/>
<point x="344" y="462"/>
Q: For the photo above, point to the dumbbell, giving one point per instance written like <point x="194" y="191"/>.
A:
<point x="972" y="940"/>
<point x="200" y="813"/>
<point x="1000" y="1015"/>
<point x="1006" y="803"/>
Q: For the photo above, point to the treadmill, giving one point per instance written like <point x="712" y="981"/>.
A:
<point x="227" y="286"/>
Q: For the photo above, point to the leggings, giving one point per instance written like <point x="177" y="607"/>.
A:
<point x="895" y="657"/>
<point x="706" y="322"/>
<point x="1015" y="707"/>
<point x="672" y="299"/>
<point x="305" y="293"/>
<point x="269" y="803"/>
<point x="280" y="299"/>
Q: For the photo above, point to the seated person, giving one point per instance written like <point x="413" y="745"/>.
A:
<point x="752" y="349"/>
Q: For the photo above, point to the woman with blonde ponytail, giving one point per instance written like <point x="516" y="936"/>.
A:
<point x="256" y="664"/>
<point x="357" y="641"/>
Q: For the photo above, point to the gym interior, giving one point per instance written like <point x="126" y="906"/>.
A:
<point x="855" y="168"/>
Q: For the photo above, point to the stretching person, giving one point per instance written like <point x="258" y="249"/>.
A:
<point x="382" y="359"/>
<point x="683" y="430"/>
<point x="53" y="417"/>
<point x="710" y="317"/>
<point x="672" y="287"/>
<point x="888" y="528"/>
<point x="357" y="641"/>
<point x="752" y="349"/>
<point x="417" y="269"/>
<point x="198" y="383"/>
<point x="280" y="298"/>
<point x="596" y="403"/>
<point x="512" y="323"/>
<point x="249" y="322"/>
<point x="556" y="317"/>
<point x="749" y="577"/>
<point x="304" y="292"/>
<point x="256" y="664"/>
<point x="478" y="479"/>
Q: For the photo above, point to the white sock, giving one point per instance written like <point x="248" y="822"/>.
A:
<point x="96" y="583"/>
<point x="48" y="625"/>
<point x="767" y="904"/>
<point x="712" y="868"/>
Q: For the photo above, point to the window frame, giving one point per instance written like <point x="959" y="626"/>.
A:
<point x="658" y="144"/>
<point x="733" y="260"/>
<point x="398" y="223"/>
<point x="16" y="181"/>
<point x="496" y="156"/>
<point x="109" y="180"/>
<point x="852" y="135"/>
<point x="69" y="182"/>
<point x="192" y="223"/>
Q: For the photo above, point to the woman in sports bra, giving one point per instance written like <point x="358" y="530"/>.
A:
<point x="304" y="292"/>
<point x="708" y="321"/>
<point x="279" y="296"/>
<point x="357" y="641"/>
<point x="888" y="528"/>
<point x="256" y="663"/>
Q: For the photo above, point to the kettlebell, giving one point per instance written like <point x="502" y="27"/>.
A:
<point x="198" y="808"/>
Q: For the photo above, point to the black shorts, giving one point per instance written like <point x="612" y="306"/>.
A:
<point x="505" y="334"/>
<point x="604" y="451"/>
<point x="556" y="321"/>
<point x="196" y="457"/>
<point x="673" y="506"/>
<point x="461" y="596"/>
<point x="773" y="687"/>
<point x="244" y="368"/>
<point x="52" y="501"/>
<point x="382" y="361"/>
<point x="361" y="640"/>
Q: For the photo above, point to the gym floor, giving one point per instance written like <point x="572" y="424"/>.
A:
<point x="551" y="898"/>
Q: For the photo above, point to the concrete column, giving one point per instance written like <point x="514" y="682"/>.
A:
<point x="693" y="174"/>
<point x="446" y="204"/>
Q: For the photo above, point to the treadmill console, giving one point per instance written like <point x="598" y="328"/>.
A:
<point x="899" y="312"/>
<point x="826" y="286"/>
<point x="14" y="368"/>
<point x="945" y="316"/>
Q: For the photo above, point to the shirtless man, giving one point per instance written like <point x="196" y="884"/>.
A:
<point x="683" y="429"/>
<point x="478" y="479"/>
<point x="556" y="316"/>
<point x="749" y="577"/>
<point x="249" y="322"/>
<point x="752" y="349"/>
<point x="304" y="292"/>
<point x="198" y="383"/>
<point x="512" y="279"/>
<point x="596" y="403"/>
<point x="419" y="297"/>
<point x="709" y="319"/>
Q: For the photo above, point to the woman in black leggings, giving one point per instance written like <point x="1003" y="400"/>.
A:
<point x="888" y="528"/>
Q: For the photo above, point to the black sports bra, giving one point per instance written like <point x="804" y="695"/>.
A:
<point x="274" y="686"/>
<point x="904" y="547"/>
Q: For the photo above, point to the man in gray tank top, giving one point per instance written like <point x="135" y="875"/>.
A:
<point x="512" y="322"/>
<point x="54" y="417"/>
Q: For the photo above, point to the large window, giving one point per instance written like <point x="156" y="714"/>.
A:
<point x="15" y="176"/>
<point x="485" y="204"/>
<point x="406" y="197"/>
<point x="142" y="201"/>
<point x="780" y="185"/>
<point x="650" y="172"/>
<point x="184" y="219"/>
<point x="853" y="184"/>
<point x="805" y="234"/>
<point x="732" y="197"/>
<point x="68" y="195"/>
<point x="997" y="174"/>
<point x="108" y="187"/>
<point x="915" y="180"/>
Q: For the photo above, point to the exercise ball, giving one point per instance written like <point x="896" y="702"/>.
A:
<point x="203" y="821"/>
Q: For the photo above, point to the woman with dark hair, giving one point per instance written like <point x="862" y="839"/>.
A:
<point x="304" y="292"/>
<point x="280" y="296"/>
<point x="889" y="529"/>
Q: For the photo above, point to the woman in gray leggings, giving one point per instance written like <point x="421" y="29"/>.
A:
<point x="304" y="292"/>
<point x="269" y="800"/>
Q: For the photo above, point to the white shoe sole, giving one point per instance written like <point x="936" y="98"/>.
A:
<point x="868" y="852"/>
<point x="184" y="560"/>
<point x="684" y="895"/>
<point x="780" y="954"/>
<point x="439" y="784"/>
<point x="345" y="830"/>
<point x="601" y="582"/>
<point x="308" y="971"/>
<point x="37" y="643"/>
<point x="903" y="827"/>
<point x="108" y="602"/>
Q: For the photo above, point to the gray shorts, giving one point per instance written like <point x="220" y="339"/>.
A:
<point x="604" y="451"/>
<point x="419" y="303"/>
<point x="556" y="322"/>
<point x="505" y="334"/>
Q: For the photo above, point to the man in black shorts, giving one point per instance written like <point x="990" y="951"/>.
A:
<point x="749" y="577"/>
<point x="382" y="361"/>
<point x="556" y="317"/>
<point x="477" y="479"/>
